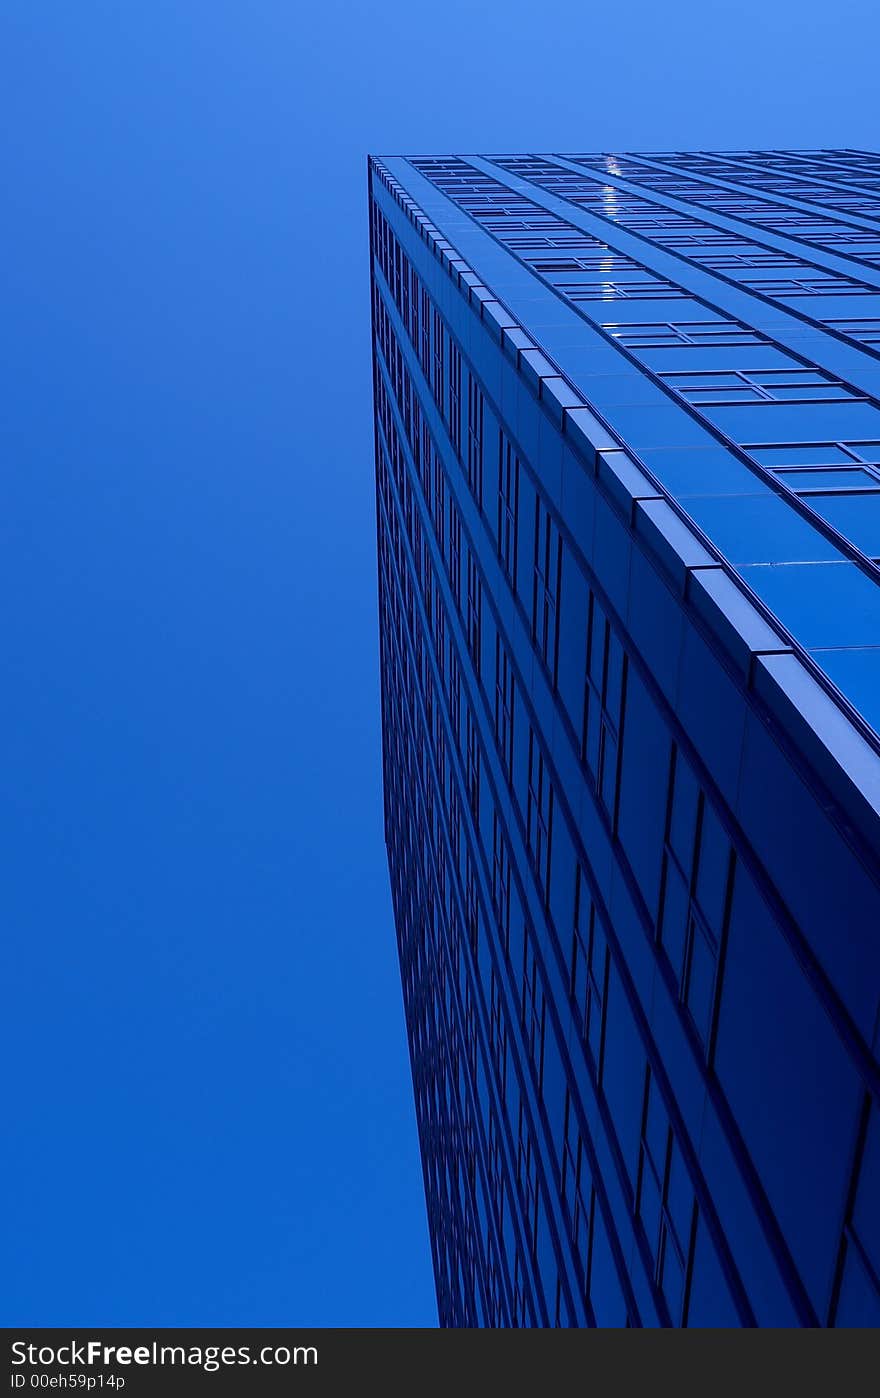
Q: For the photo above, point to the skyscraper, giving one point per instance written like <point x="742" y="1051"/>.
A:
<point x="628" y="493"/>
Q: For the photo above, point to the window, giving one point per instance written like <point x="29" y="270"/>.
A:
<point x="504" y="692"/>
<point x="470" y="1029"/>
<point x="421" y="560"/>
<point x="440" y="756"/>
<point x="532" y="1007"/>
<point x="438" y="500"/>
<point x="426" y="456"/>
<point x="666" y="334"/>
<point x="858" y="1290"/>
<point x="437" y="378"/>
<point x="473" y="764"/>
<point x="442" y="887"/>
<point x="412" y="413"/>
<point x="475" y="440"/>
<point x="589" y="971"/>
<point x="454" y="815"/>
<point x="665" y="1201"/>
<point x="695" y="894"/>
<point x="808" y="283"/>
<point x="823" y="468"/>
<point x="440" y="637"/>
<point x="474" y="610"/>
<point x="454" y="692"/>
<point x="497" y="1045"/>
<point x="577" y="1191"/>
<point x="527" y="1177"/>
<point x="425" y="332"/>
<point x="622" y="288"/>
<point x="472" y="901"/>
<point x="830" y="482"/>
<point x="737" y="254"/>
<point x="500" y="881"/>
<point x="603" y="704"/>
<point x="403" y="289"/>
<point x="604" y="260"/>
<point x="867" y="332"/>
<point x="520" y="1311"/>
<point x="495" y="1148"/>
<point x="508" y="504"/>
<point x="545" y="588"/>
<point x="539" y="815"/>
<point x="455" y="552"/>
<point x="453" y="412"/>
<point x="795" y="385"/>
<point x="428" y="686"/>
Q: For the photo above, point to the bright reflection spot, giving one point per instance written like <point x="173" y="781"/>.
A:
<point x="610" y="206"/>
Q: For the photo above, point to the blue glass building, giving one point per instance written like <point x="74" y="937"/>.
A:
<point x="628" y="491"/>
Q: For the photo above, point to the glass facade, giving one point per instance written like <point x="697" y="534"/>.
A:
<point x="627" y="436"/>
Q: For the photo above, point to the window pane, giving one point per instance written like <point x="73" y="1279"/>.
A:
<point x="859" y="1303"/>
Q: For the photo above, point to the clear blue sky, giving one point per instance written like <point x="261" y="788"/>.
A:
<point x="207" y="1080"/>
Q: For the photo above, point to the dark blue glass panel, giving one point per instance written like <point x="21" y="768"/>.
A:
<point x="797" y="1110"/>
<point x="826" y="604"/>
<point x="856" y="516"/>
<point x="702" y="471"/>
<point x="842" y="479"/>
<point x="866" y="1214"/>
<point x="755" y="529"/>
<point x="859" y="1304"/>
<point x="806" y="422"/>
<point x="606" y="1294"/>
<point x="644" y="783"/>
<point x="710" y="1301"/>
